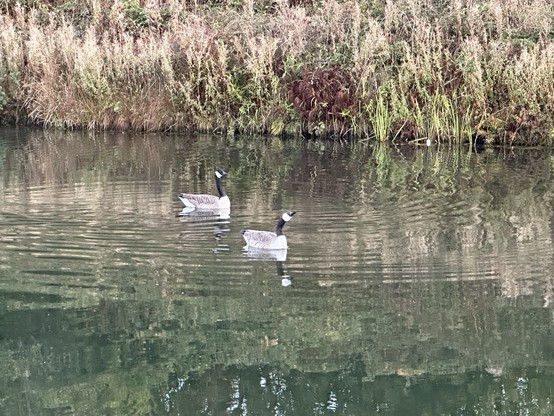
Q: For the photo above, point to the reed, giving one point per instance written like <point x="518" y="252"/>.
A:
<point x="400" y="70"/>
<point x="381" y="119"/>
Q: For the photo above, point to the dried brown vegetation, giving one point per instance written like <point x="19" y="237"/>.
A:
<point x="323" y="98"/>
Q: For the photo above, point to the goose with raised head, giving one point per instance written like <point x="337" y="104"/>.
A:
<point x="268" y="240"/>
<point x="208" y="202"/>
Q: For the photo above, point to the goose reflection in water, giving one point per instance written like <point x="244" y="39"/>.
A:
<point x="280" y="256"/>
<point x="219" y="217"/>
<point x="193" y="214"/>
<point x="261" y="254"/>
<point x="286" y="280"/>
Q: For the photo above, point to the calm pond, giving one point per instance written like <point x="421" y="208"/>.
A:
<point x="418" y="280"/>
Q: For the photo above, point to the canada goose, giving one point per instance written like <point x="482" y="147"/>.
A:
<point x="208" y="202"/>
<point x="266" y="239"/>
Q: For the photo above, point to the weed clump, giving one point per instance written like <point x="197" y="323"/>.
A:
<point x="324" y="99"/>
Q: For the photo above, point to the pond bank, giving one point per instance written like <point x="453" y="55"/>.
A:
<point x="363" y="69"/>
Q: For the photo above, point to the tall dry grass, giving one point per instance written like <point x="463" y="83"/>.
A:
<point x="401" y="70"/>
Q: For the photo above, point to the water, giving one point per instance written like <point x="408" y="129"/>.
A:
<point x="417" y="280"/>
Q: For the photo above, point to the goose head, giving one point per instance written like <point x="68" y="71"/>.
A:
<point x="220" y="173"/>
<point x="288" y="215"/>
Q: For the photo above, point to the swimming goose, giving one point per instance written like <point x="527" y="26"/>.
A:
<point x="268" y="240"/>
<point x="208" y="202"/>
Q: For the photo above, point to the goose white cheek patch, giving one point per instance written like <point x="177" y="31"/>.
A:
<point x="218" y="174"/>
<point x="286" y="217"/>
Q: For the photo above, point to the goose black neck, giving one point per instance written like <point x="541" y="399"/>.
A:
<point x="219" y="186"/>
<point x="280" y="224"/>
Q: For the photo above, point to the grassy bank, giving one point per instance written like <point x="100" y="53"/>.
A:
<point x="383" y="70"/>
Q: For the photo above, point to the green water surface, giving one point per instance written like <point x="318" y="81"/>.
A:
<point x="418" y="280"/>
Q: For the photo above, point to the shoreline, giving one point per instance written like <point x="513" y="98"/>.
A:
<point x="464" y="72"/>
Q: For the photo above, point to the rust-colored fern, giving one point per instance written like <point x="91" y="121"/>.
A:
<point x="323" y="96"/>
